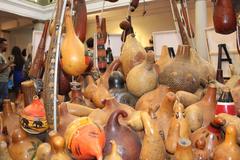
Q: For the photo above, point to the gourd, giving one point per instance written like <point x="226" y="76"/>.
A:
<point x="229" y="149"/>
<point x="132" y="54"/>
<point x="143" y="77"/>
<point x="224" y="17"/>
<point x="129" y="147"/>
<point x="72" y="49"/>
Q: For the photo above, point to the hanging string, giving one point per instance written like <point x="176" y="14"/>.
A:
<point x="101" y="14"/>
<point x="189" y="24"/>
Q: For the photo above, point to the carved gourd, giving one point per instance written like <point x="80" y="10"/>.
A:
<point x="72" y="49"/>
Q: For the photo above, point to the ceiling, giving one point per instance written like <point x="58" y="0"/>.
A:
<point x="152" y="8"/>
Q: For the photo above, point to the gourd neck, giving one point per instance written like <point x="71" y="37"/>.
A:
<point x="113" y="122"/>
<point x="110" y="103"/>
<point x="147" y="123"/>
<point x="183" y="53"/>
<point x="210" y="96"/>
<point x="168" y="103"/>
<point x="69" y="24"/>
<point x="184" y="146"/>
<point x="149" y="60"/>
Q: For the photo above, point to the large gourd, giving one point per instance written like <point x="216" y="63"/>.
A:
<point x="72" y="49"/>
<point x="132" y="54"/>
<point x="224" y="17"/>
<point x="181" y="74"/>
<point x="143" y="77"/>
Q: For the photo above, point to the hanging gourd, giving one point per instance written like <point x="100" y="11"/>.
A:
<point x="224" y="17"/>
<point x="72" y="49"/>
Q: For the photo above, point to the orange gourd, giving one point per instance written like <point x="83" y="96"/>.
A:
<point x="72" y="49"/>
<point x="84" y="139"/>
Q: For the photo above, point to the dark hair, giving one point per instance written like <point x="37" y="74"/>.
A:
<point x="24" y="52"/>
<point x="90" y="42"/>
<point x="18" y="58"/>
<point x="2" y="40"/>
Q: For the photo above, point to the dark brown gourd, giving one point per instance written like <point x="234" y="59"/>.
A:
<point x="129" y="147"/>
<point x="81" y="19"/>
<point x="224" y="17"/>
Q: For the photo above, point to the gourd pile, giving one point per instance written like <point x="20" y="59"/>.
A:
<point x="139" y="109"/>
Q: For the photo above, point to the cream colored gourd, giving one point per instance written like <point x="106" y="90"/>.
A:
<point x="143" y="77"/>
<point x="72" y="49"/>
<point x="132" y="54"/>
<point x="114" y="154"/>
<point x="152" y="146"/>
<point x="187" y="98"/>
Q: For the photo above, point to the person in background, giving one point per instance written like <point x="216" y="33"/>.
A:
<point x="24" y="53"/>
<point x="5" y="68"/>
<point x="18" y="68"/>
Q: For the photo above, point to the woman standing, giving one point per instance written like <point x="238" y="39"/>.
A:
<point x="19" y="61"/>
